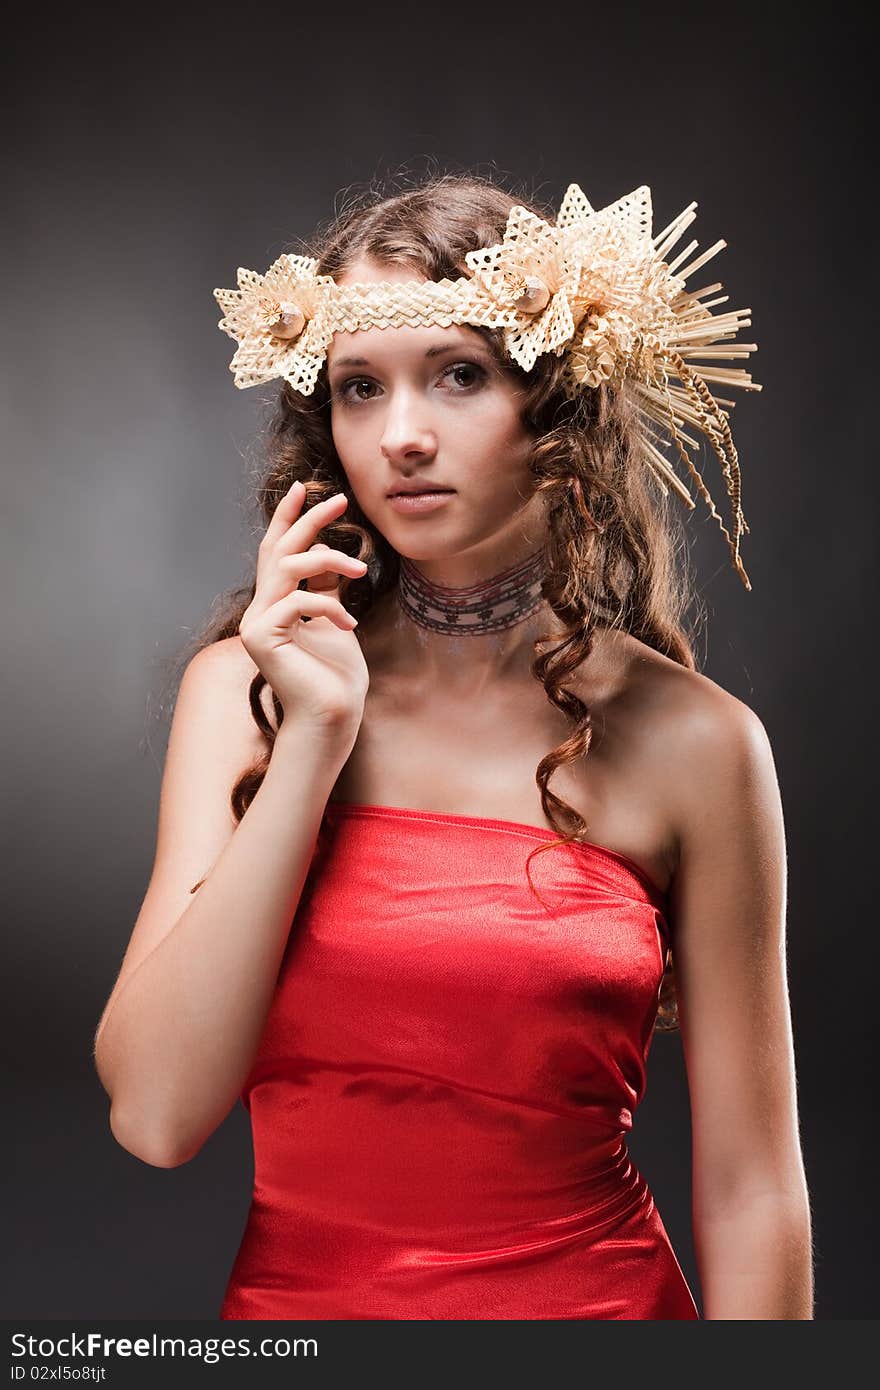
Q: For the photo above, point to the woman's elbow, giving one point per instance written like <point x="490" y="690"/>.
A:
<point x="157" y="1151"/>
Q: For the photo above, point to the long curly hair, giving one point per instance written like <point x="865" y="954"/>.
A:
<point x="616" y="552"/>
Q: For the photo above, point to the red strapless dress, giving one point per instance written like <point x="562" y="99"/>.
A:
<point x="448" y="1071"/>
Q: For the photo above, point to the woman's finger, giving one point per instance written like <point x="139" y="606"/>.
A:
<point x="303" y="532"/>
<point x="285" y="515"/>
<point x="305" y="563"/>
<point x="303" y="603"/>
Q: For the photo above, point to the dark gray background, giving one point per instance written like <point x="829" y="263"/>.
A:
<point x="147" y="159"/>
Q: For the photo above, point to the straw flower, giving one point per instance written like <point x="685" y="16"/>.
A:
<point x="276" y="320"/>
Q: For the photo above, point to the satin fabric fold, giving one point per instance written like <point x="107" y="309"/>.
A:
<point x="448" y="1072"/>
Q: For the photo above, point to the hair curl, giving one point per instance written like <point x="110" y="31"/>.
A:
<point x="616" y="553"/>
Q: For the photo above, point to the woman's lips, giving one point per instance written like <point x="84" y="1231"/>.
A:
<point x="418" y="501"/>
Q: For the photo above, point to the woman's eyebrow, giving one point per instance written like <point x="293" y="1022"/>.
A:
<point x="436" y="350"/>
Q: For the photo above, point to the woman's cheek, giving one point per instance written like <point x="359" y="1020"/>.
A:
<point x="346" y="444"/>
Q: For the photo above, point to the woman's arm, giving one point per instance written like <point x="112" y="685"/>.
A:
<point x="751" y="1211"/>
<point x="182" y="1025"/>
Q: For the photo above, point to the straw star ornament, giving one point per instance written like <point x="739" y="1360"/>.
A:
<point x="559" y="279"/>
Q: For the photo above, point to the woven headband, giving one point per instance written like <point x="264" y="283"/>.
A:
<point x="595" y="288"/>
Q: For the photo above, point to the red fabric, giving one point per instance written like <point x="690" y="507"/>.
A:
<point x="448" y="1071"/>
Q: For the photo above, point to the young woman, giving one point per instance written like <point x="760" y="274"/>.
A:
<point x="433" y="977"/>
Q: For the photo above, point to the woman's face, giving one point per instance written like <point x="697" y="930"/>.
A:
<point x="430" y="406"/>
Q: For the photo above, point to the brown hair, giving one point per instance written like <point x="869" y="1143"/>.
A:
<point x="615" y="547"/>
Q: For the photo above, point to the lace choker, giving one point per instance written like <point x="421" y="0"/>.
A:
<point x="500" y="602"/>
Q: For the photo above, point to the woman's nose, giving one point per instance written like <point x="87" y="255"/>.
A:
<point x="407" y="428"/>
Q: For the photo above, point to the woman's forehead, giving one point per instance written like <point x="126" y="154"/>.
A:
<point x="373" y="345"/>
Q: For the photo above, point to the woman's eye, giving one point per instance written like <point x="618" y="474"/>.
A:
<point x="472" y="373"/>
<point x="352" y="389"/>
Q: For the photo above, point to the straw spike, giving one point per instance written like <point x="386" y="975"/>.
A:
<point x="701" y="260"/>
<point x="696" y="294"/>
<point x="670" y="235"/>
<point x="683" y="255"/>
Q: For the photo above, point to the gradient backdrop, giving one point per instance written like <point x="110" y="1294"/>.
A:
<point x="146" y="158"/>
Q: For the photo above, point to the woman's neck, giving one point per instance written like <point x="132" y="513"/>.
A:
<point x="461" y="639"/>
<point x="502" y="601"/>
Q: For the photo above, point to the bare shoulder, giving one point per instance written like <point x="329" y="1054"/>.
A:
<point x="630" y="675"/>
<point x="228" y="669"/>
<point x="699" y="748"/>
<point x="228" y="658"/>
<point x="690" y="705"/>
<point x="213" y="707"/>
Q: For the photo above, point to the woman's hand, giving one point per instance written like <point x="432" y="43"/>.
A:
<point x="315" y="668"/>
